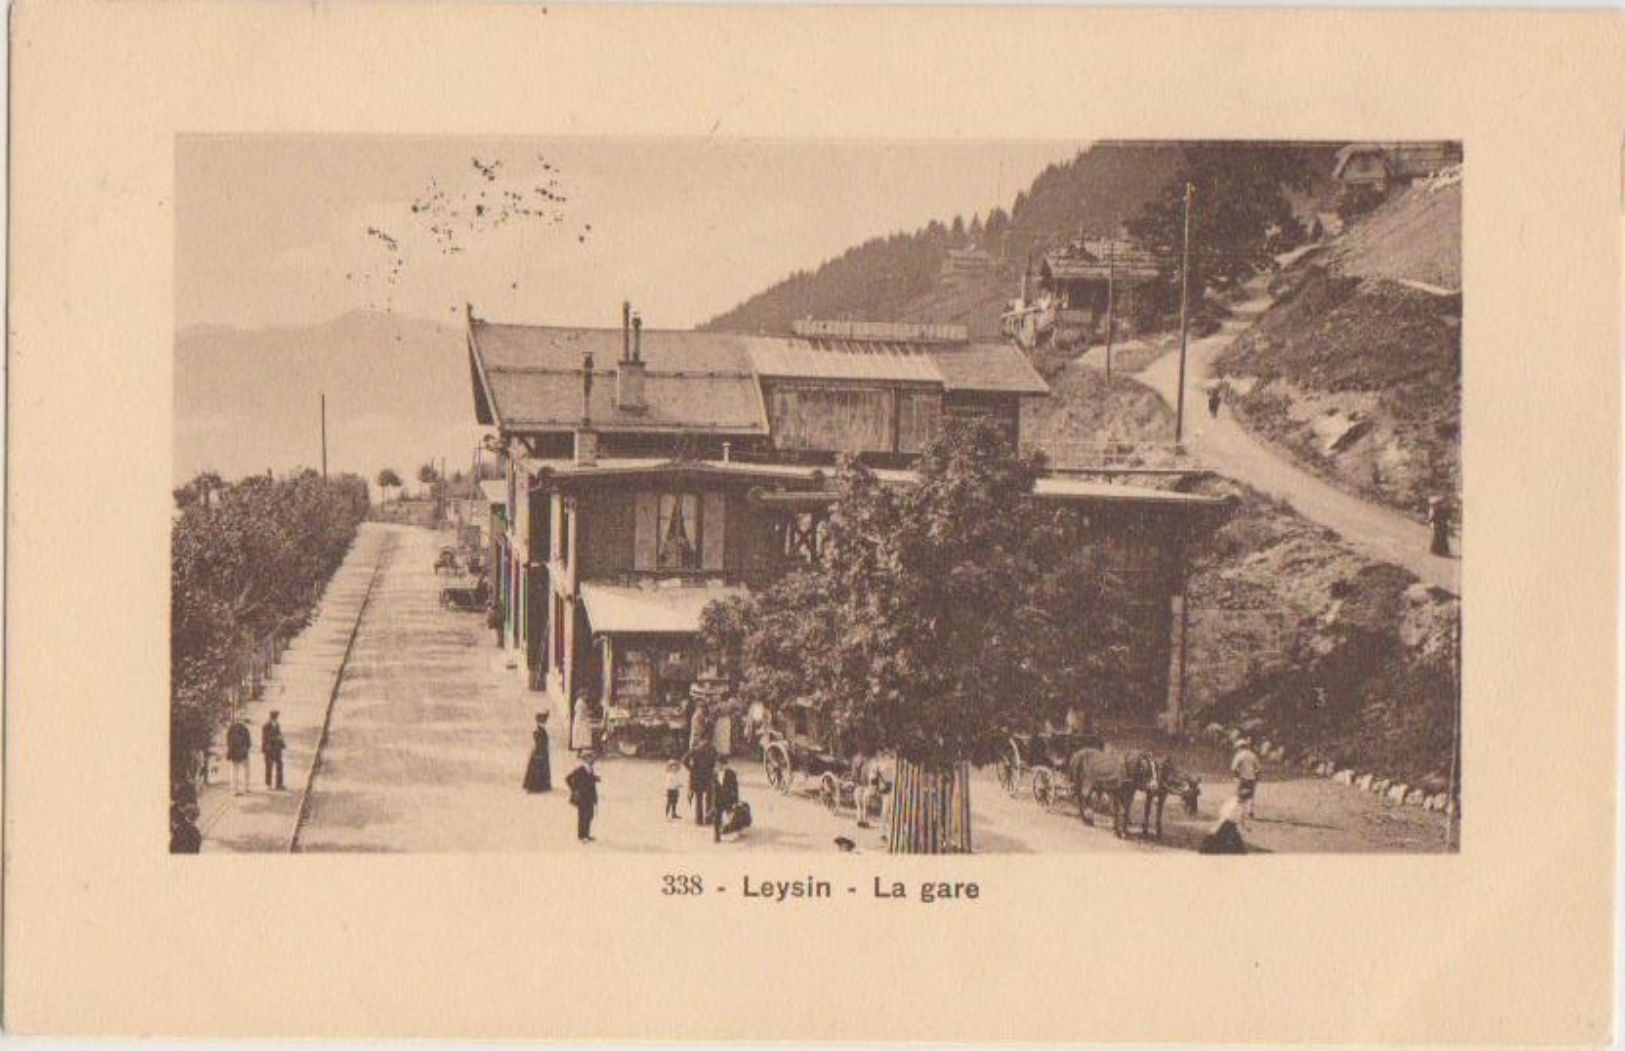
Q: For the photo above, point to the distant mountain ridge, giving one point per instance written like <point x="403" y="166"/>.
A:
<point x="901" y="278"/>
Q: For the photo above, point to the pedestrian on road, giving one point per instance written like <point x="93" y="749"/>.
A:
<point x="273" y="744"/>
<point x="699" y="726"/>
<point x="239" y="746"/>
<point x="1439" y="518"/>
<point x="702" y="764"/>
<point x="581" y="725"/>
<point x="722" y="730"/>
<point x="1214" y="396"/>
<point x="583" y="784"/>
<point x="674" y="787"/>
<point x="1226" y="835"/>
<point x="184" y="837"/>
<point x="726" y="798"/>
<point x="539" y="771"/>
<point x="1245" y="766"/>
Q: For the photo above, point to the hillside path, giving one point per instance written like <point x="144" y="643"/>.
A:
<point x="1223" y="445"/>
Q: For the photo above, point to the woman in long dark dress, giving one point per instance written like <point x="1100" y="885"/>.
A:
<point x="539" y="771"/>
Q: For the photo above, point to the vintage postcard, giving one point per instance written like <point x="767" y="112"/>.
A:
<point x="574" y="510"/>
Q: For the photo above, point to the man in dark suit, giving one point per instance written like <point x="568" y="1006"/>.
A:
<point x="273" y="745"/>
<point x="583" y="785"/>
<point x="702" y="766"/>
<point x="725" y="798"/>
<point x="239" y="749"/>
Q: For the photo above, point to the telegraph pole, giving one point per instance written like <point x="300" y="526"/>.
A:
<point x="324" y="436"/>
<point x="1111" y="282"/>
<point x="1184" y="318"/>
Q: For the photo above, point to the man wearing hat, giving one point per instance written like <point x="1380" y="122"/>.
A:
<point x="583" y="784"/>
<point x="1245" y="767"/>
<point x="273" y="745"/>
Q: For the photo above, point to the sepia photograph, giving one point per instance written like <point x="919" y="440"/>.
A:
<point x="917" y="497"/>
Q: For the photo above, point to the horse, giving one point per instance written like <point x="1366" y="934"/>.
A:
<point x="1158" y="777"/>
<point x="1097" y="773"/>
<point x="1116" y="776"/>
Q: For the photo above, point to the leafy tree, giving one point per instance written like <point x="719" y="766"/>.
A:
<point x="1239" y="209"/>
<point x="246" y="566"/>
<point x="942" y="616"/>
<point x="427" y="474"/>
<point x="388" y="479"/>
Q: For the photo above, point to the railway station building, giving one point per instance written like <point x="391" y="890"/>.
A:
<point x="647" y="473"/>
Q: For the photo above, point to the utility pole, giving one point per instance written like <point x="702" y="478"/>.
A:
<point x="324" y="436"/>
<point x="1111" y="283"/>
<point x="1184" y="318"/>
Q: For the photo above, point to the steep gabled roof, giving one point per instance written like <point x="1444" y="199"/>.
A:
<point x="531" y="376"/>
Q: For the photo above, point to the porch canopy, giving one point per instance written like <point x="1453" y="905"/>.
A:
<point x="656" y="610"/>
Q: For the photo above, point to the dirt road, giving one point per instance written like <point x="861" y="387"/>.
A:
<point x="1225" y="446"/>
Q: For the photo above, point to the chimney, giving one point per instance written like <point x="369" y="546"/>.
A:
<point x="586" y="437"/>
<point x="629" y="372"/>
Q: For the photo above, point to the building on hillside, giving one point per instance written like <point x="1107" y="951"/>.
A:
<point x="1086" y="277"/>
<point x="698" y="465"/>
<point x="966" y="262"/>
<point x="1383" y="165"/>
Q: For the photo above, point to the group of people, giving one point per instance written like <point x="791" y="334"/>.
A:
<point x="713" y="790"/>
<point x="582" y="781"/>
<point x="713" y="786"/>
<point x="240" y="745"/>
<point x="184" y="835"/>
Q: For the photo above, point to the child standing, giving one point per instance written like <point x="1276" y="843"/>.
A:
<point x="674" y="786"/>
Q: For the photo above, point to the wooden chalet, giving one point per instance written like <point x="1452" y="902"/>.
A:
<point x="1381" y="165"/>
<point x="1087" y="276"/>
<point x="649" y="473"/>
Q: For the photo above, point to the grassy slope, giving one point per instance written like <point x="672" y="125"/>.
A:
<point x="1357" y="374"/>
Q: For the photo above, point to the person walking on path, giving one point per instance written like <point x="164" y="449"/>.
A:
<point x="583" y="784"/>
<point x="1245" y="766"/>
<point x="273" y="744"/>
<point x="581" y="725"/>
<point x="1439" y="520"/>
<point x="702" y="763"/>
<point x="539" y="771"/>
<point x="674" y="787"/>
<point x="726" y="797"/>
<point x="722" y="730"/>
<point x="698" y="726"/>
<point x="239" y="746"/>
<point x="1226" y="835"/>
<point x="1214" y="397"/>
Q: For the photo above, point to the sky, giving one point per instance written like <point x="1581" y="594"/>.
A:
<point x="275" y="230"/>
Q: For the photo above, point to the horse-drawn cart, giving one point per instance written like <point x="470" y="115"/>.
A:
<point x="798" y="751"/>
<point x="1040" y="759"/>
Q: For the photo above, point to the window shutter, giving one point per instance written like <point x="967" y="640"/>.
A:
<point x="712" y="523"/>
<point x="646" y="525"/>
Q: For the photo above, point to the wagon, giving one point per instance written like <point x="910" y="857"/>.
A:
<point x="1040" y="759"/>
<point x="798" y="752"/>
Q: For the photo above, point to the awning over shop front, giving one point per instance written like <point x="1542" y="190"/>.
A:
<point x="619" y="610"/>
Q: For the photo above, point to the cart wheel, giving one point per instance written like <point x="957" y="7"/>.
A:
<point x="777" y="765"/>
<point x="1044" y="786"/>
<point x="829" y="791"/>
